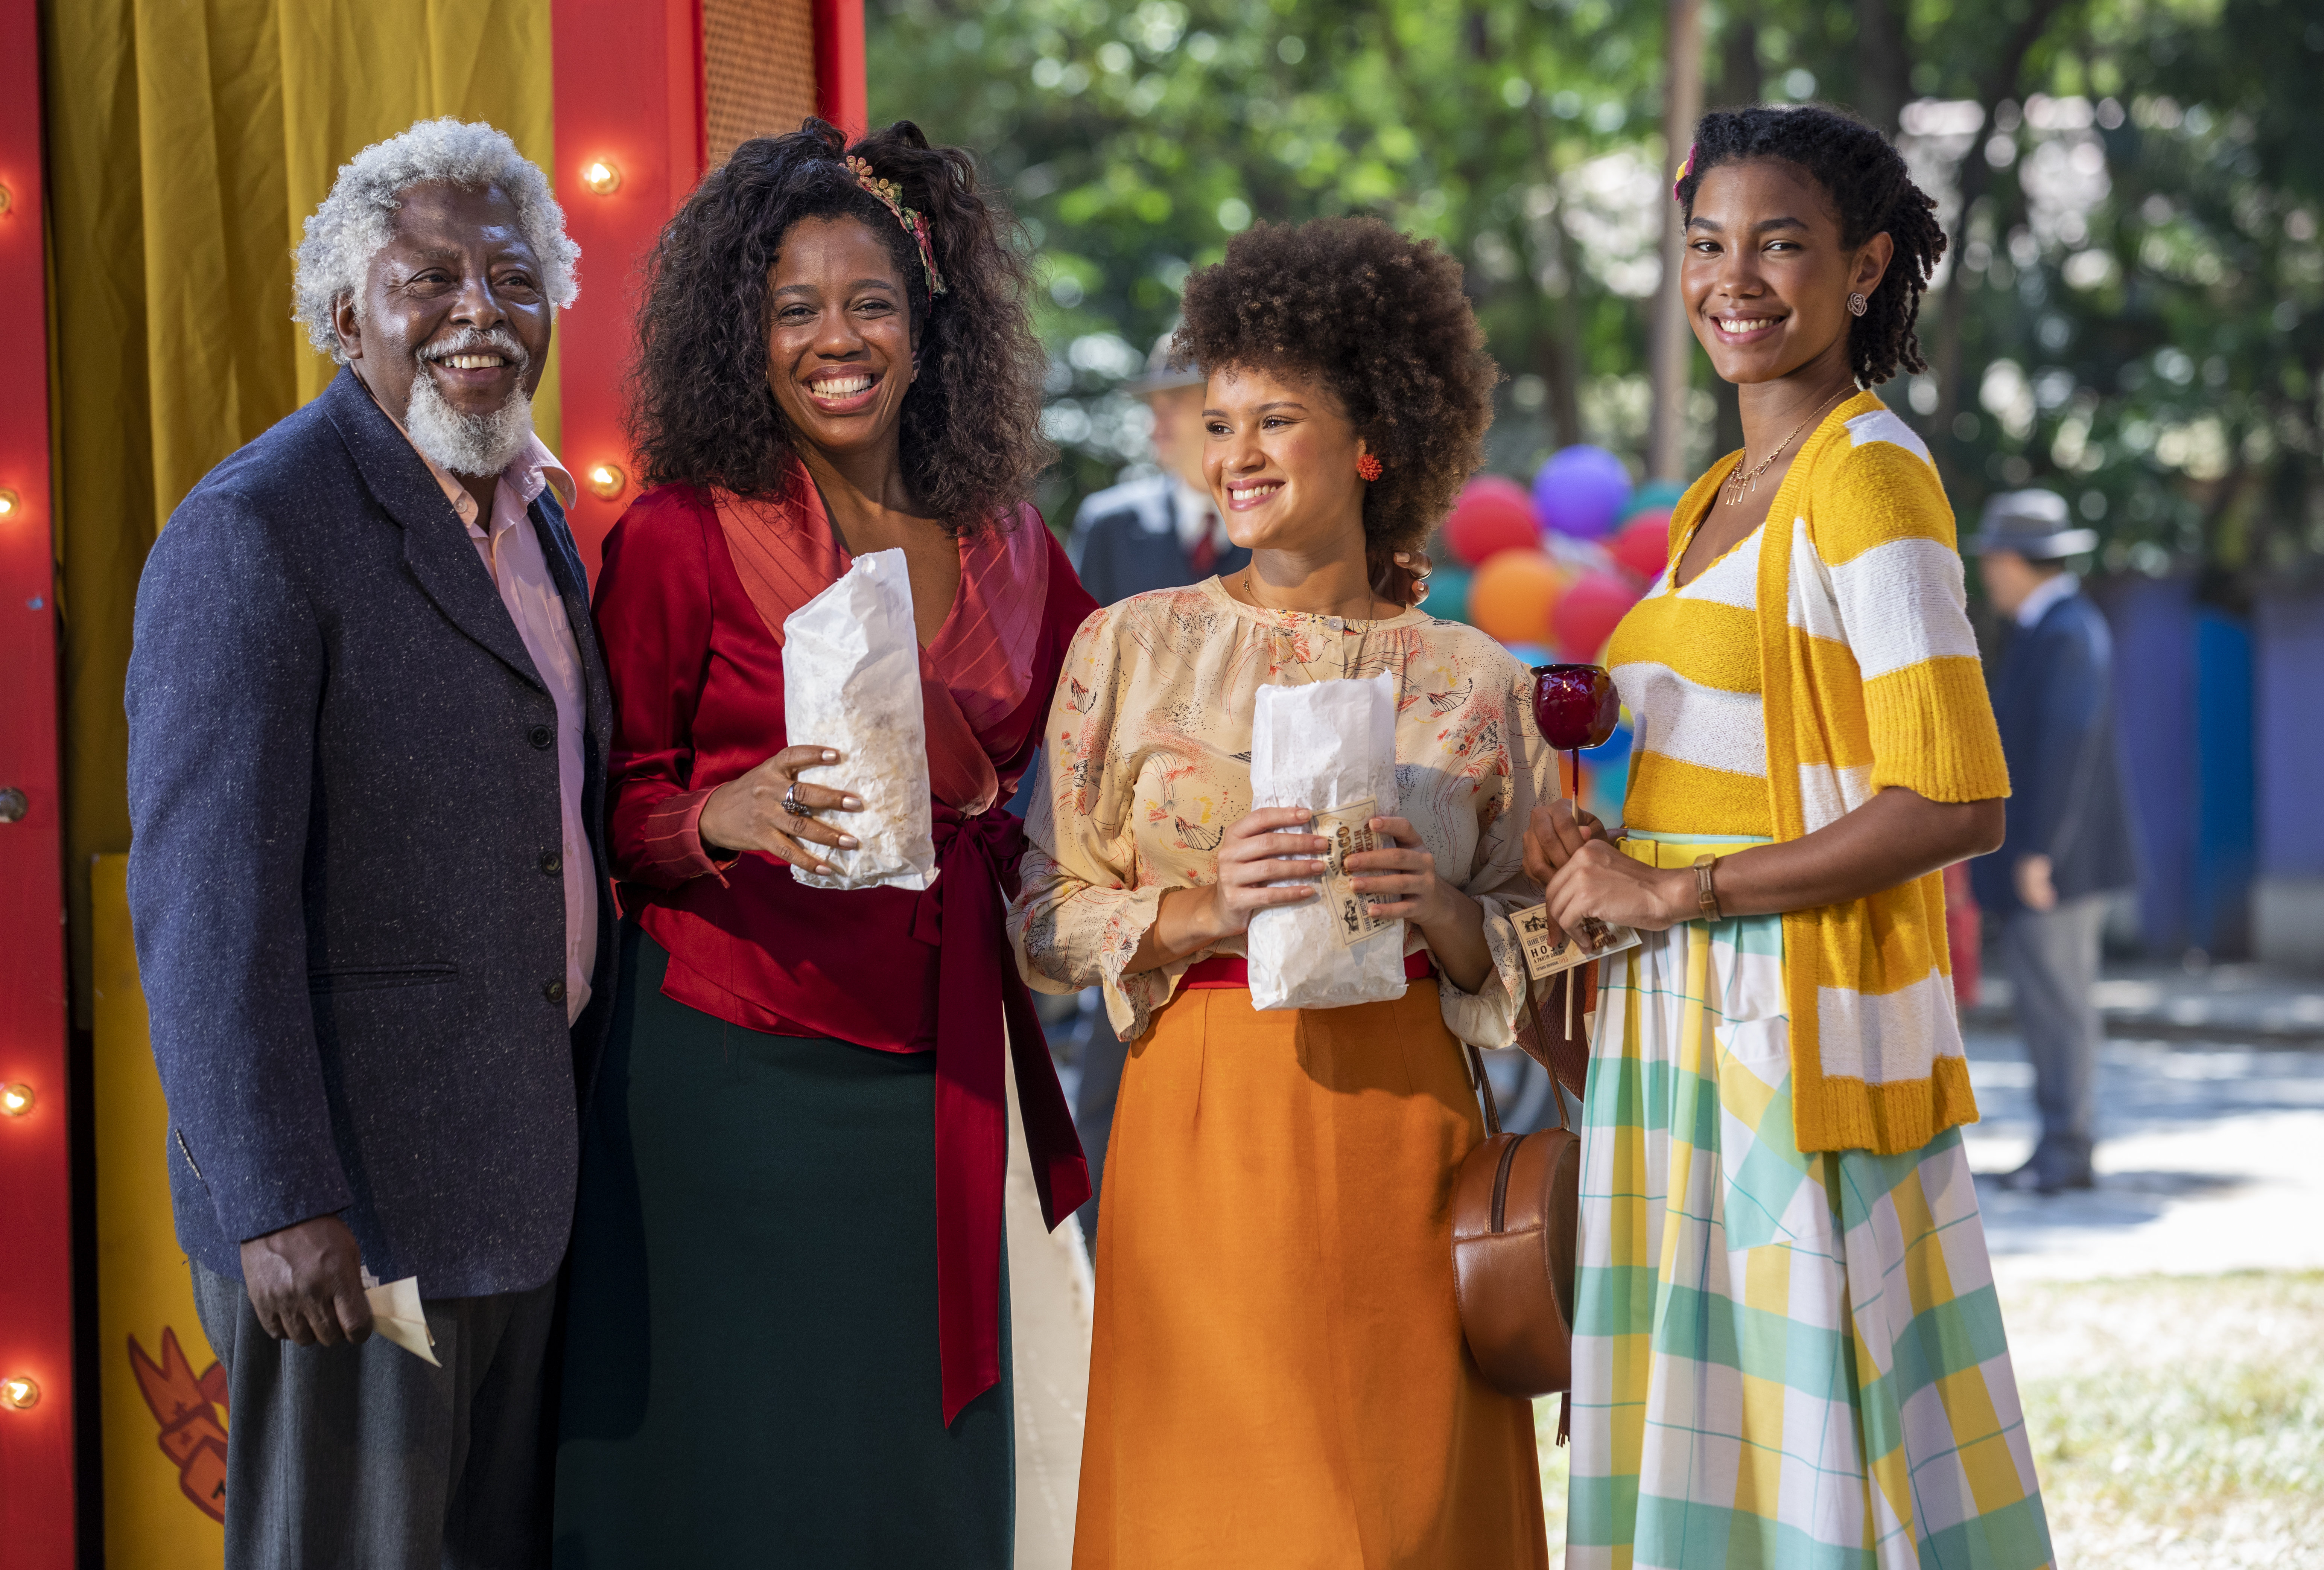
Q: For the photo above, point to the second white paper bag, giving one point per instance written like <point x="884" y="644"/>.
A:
<point x="1324" y="746"/>
<point x="852" y="683"/>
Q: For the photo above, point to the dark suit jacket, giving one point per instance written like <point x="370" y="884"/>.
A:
<point x="2053" y="699"/>
<point x="1125" y="541"/>
<point x="343" y="783"/>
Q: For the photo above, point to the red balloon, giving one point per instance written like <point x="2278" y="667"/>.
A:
<point x="1586" y="613"/>
<point x="1643" y="547"/>
<point x="1493" y="514"/>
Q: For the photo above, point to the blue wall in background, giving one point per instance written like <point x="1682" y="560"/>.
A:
<point x="2288" y="687"/>
<point x="2152" y="622"/>
<point x="2219" y="913"/>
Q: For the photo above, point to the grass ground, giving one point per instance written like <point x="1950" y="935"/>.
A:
<point x="2178" y="1420"/>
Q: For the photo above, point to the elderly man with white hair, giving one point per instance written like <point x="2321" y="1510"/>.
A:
<point x="368" y="725"/>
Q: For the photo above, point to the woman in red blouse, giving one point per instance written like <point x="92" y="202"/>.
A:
<point x="786" y="1336"/>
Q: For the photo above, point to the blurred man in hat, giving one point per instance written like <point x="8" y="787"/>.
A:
<point x="2069" y="840"/>
<point x="1163" y="531"/>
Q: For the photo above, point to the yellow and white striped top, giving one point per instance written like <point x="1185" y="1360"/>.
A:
<point x="1686" y="661"/>
<point x="1827" y="658"/>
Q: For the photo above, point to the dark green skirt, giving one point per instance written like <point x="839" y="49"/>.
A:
<point x="750" y="1365"/>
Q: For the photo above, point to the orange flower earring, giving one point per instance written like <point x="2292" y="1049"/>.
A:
<point x="1367" y="465"/>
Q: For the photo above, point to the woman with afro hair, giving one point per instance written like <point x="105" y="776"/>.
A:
<point x="1278" y="1375"/>
<point x="786" y="1341"/>
<point x="1786" y="1345"/>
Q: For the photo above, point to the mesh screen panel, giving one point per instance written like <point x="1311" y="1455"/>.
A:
<point x="757" y="60"/>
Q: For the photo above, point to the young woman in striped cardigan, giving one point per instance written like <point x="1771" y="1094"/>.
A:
<point x="1787" y="1349"/>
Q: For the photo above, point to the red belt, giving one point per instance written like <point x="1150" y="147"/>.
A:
<point x="1231" y="970"/>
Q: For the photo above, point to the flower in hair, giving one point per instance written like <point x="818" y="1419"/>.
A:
<point x="914" y="224"/>
<point x="1684" y="169"/>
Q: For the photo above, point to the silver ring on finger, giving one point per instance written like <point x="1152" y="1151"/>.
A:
<point x="793" y="805"/>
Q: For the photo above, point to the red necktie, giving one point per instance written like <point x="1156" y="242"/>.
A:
<point x="1205" y="554"/>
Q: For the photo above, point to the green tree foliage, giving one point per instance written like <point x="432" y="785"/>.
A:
<point x="2134" y="314"/>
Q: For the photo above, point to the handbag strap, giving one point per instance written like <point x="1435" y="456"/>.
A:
<point x="1485" y="1083"/>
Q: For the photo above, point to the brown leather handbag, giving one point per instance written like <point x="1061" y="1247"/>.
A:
<point x="1516" y="1206"/>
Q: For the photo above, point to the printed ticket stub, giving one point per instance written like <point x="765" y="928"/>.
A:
<point x="1349" y="830"/>
<point x="1548" y="953"/>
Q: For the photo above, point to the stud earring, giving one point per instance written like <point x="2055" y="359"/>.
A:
<point x="1367" y="465"/>
<point x="1857" y="305"/>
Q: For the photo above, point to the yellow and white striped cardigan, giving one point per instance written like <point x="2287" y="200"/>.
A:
<point x="1871" y="679"/>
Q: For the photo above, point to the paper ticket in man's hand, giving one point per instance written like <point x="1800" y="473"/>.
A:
<point x="396" y="1314"/>
<point x="1548" y="951"/>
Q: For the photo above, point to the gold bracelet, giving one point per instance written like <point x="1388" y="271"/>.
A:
<point x="1706" y="897"/>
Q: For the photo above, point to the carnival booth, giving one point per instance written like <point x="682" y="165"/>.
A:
<point x="156" y="160"/>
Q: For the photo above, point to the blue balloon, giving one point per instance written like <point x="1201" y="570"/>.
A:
<point x="1581" y="491"/>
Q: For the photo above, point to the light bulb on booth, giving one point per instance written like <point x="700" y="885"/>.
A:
<point x="8" y="500"/>
<point x="20" y="1391"/>
<point x="603" y="176"/>
<point x="606" y="480"/>
<point x="15" y="1100"/>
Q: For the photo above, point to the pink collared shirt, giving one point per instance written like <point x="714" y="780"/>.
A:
<point x="510" y="552"/>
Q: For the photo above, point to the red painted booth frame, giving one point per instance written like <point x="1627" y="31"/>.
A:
<point x="629" y="92"/>
<point x="631" y="113"/>
<point x="36" y="1214"/>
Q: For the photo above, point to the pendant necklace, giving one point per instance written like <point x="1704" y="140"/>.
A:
<point x="1740" y="483"/>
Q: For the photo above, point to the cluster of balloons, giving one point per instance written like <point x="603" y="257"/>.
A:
<point x="1556" y="567"/>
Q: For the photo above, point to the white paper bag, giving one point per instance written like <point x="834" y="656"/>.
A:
<point x="1330" y="747"/>
<point x="852" y="683"/>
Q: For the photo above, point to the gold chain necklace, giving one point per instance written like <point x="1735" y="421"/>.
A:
<point x="1741" y="485"/>
<point x="1346" y="662"/>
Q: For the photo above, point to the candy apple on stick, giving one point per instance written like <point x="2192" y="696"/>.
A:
<point x="1576" y="706"/>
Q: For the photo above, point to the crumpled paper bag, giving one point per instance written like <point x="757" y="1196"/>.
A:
<point x="852" y="683"/>
<point x="1329" y="746"/>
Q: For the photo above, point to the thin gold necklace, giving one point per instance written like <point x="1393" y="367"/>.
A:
<point x="1346" y="662"/>
<point x="1741" y="484"/>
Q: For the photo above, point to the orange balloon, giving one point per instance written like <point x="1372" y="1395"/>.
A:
<point x="1513" y="594"/>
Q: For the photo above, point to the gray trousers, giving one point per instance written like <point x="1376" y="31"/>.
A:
<point x="365" y="1458"/>
<point x="2053" y="961"/>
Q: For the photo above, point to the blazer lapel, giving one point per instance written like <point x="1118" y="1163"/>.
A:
<point x="436" y="544"/>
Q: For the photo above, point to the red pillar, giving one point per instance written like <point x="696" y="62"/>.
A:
<point x="630" y="96"/>
<point x="36" y="1432"/>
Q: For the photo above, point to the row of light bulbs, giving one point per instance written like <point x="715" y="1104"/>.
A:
<point x="18" y="1392"/>
<point x="603" y="176"/>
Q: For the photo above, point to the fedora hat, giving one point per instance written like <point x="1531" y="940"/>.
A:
<point x="1161" y="377"/>
<point x="2035" y="524"/>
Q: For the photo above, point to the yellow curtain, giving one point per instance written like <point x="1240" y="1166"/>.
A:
<point x="187" y="140"/>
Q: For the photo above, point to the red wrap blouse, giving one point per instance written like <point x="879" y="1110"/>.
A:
<point x="690" y="606"/>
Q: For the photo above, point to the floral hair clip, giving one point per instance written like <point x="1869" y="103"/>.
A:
<point x="1684" y="170"/>
<point x="917" y="226"/>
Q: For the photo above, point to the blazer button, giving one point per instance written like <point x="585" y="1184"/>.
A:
<point x="543" y="737"/>
<point x="552" y="864"/>
<point x="554" y="991"/>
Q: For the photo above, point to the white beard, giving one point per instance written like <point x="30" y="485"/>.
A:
<point x="475" y="445"/>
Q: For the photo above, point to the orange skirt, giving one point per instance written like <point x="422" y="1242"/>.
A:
<point x="1277" y="1377"/>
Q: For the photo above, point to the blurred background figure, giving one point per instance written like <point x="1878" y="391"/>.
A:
<point x="1161" y="530"/>
<point x="1158" y="532"/>
<point x="2068" y="842"/>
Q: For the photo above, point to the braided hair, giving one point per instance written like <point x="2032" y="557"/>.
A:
<point x="1870" y="190"/>
<point x="700" y="409"/>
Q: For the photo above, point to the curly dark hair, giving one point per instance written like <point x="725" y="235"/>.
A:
<point x="700" y="409"/>
<point x="1871" y="191"/>
<point x="1380" y="319"/>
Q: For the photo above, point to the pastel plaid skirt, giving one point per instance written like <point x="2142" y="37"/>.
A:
<point x="1781" y="1359"/>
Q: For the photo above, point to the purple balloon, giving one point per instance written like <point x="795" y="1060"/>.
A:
<point x="1581" y="491"/>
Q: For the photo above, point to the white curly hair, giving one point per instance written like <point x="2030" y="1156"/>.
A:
<point x="351" y="224"/>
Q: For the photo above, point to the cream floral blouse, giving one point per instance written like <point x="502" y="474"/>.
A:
<point x="1147" y="761"/>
